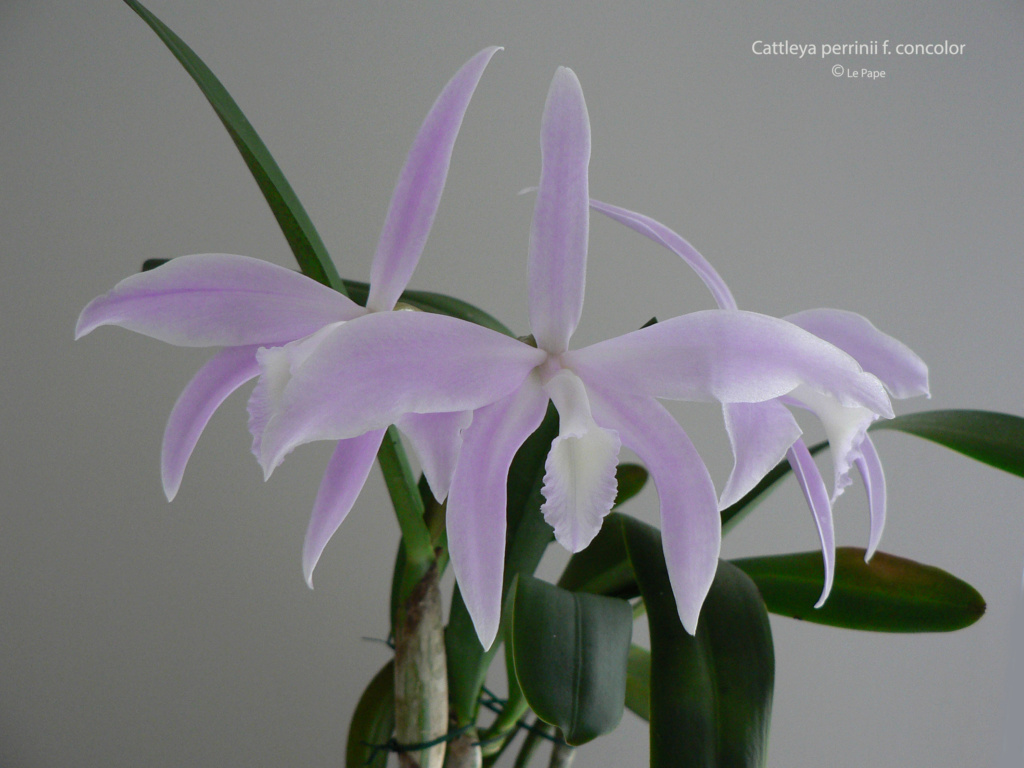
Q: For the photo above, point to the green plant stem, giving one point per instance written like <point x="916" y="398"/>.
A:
<point x="405" y="497"/>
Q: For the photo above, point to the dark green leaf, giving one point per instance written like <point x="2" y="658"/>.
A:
<point x="889" y="594"/>
<point x="996" y="439"/>
<point x="570" y="653"/>
<point x="603" y="567"/>
<point x="373" y="722"/>
<point x="437" y="303"/>
<point x="298" y="230"/>
<point x="710" y="695"/>
<point x="638" y="681"/>
<point x="528" y="535"/>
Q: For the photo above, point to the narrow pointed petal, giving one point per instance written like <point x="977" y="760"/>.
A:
<point x="579" y="481"/>
<point x="813" y="487"/>
<point x="902" y="372"/>
<point x="417" y="195"/>
<point x="366" y="373"/>
<point x="223" y="374"/>
<point x="760" y="435"/>
<point x="476" y="502"/>
<point x="664" y="236"/>
<point x="218" y="300"/>
<point x="870" y="468"/>
<point x="690" y="526"/>
<point x="728" y="356"/>
<point x="344" y="479"/>
<point x="436" y="439"/>
<point x="561" y="217"/>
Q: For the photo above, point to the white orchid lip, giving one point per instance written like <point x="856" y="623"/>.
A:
<point x="579" y="481"/>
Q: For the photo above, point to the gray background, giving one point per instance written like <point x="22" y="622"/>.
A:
<point x="133" y="632"/>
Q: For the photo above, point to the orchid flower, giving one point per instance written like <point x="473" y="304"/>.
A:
<point x="363" y="375"/>
<point x="244" y="304"/>
<point x="761" y="434"/>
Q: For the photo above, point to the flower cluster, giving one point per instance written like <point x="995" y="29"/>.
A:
<point x="467" y="397"/>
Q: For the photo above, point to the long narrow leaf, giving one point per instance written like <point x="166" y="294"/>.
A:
<point x="437" y="303"/>
<point x="996" y="439"/>
<point x="298" y="230"/>
<point x="889" y="594"/>
<point x="710" y="694"/>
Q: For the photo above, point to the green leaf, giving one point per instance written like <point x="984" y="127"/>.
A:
<point x="528" y="535"/>
<point x="570" y="653"/>
<point x="710" y="695"/>
<point x="602" y="568"/>
<point x="373" y="722"/>
<point x="889" y="594"/>
<point x="993" y="438"/>
<point x="438" y="303"/>
<point x="298" y="230"/>
<point x="638" y="681"/>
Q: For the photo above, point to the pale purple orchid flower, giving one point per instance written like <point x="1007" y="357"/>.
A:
<point x="245" y="304"/>
<point x="365" y="374"/>
<point x="762" y="434"/>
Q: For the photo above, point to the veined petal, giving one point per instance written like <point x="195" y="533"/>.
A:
<point x="845" y="427"/>
<point x="579" y="480"/>
<point x="218" y="300"/>
<point x="870" y="468"/>
<point x="813" y="487"/>
<point x="690" y="525"/>
<point x="760" y="435"/>
<point x="561" y="217"/>
<point x="902" y="372"/>
<point x="417" y="194"/>
<point x="664" y="236"/>
<point x="345" y="476"/>
<point x="366" y="373"/>
<point x="476" y="503"/>
<point x="436" y="439"/>
<point x="729" y="356"/>
<point x="219" y="377"/>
